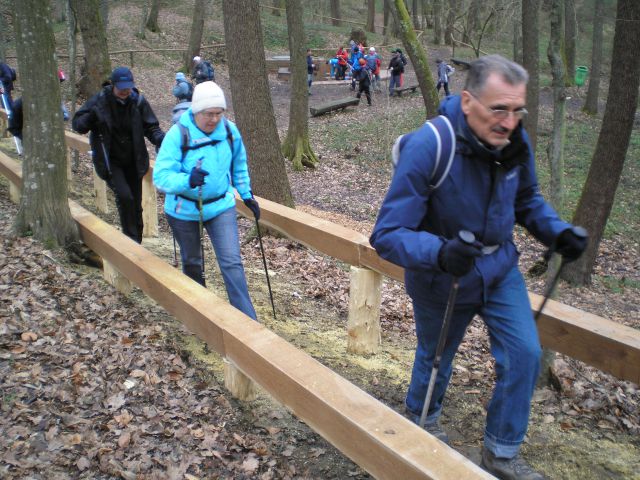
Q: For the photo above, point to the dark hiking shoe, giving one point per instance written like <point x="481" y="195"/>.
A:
<point x="436" y="430"/>
<point x="509" y="468"/>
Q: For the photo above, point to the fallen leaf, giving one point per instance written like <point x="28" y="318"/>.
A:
<point x="250" y="464"/>
<point x="29" y="337"/>
<point x="124" y="440"/>
<point x="83" y="463"/>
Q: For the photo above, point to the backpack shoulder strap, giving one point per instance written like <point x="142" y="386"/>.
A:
<point x="184" y="144"/>
<point x="445" y="149"/>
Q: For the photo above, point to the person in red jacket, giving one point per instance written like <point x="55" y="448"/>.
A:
<point x="342" y="57"/>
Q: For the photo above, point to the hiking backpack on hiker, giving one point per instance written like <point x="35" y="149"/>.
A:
<point x="445" y="149"/>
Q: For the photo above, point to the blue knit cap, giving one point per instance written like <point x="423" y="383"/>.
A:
<point x="180" y="76"/>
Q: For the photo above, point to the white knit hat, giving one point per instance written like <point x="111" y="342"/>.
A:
<point x="372" y="50"/>
<point x="207" y="95"/>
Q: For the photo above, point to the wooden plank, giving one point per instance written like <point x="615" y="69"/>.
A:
<point x="326" y="107"/>
<point x="377" y="438"/>
<point x="400" y="90"/>
<point x="77" y="141"/>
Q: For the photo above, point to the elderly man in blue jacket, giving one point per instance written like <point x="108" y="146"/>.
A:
<point x="490" y="187"/>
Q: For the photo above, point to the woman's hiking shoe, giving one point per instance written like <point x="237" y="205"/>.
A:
<point x="509" y="468"/>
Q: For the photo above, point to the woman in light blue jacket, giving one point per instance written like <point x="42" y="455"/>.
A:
<point x="201" y="161"/>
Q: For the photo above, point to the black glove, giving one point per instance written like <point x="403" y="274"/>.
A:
<point x="456" y="257"/>
<point x="252" y="205"/>
<point x="570" y="245"/>
<point x="196" y="178"/>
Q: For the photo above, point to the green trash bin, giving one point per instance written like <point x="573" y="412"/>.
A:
<point x="581" y="75"/>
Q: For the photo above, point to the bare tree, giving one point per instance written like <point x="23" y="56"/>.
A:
<point x="386" y="10"/>
<point x="418" y="57"/>
<point x="278" y="6"/>
<point x="97" y="65"/>
<point x="252" y="100"/>
<point x="570" y="34"/>
<point x="593" y="92"/>
<point x="44" y="206"/>
<point x="437" y="22"/>
<point x="104" y="13"/>
<point x="531" y="61"/>
<point x="415" y="14"/>
<point x="152" y="19"/>
<point x="195" y="37"/>
<point x="371" y="16"/>
<point x="599" y="190"/>
<point x="335" y="13"/>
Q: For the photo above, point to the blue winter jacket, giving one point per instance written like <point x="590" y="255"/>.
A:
<point x="171" y="173"/>
<point x="485" y="192"/>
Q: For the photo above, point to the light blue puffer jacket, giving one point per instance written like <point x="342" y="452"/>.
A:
<point x="171" y="173"/>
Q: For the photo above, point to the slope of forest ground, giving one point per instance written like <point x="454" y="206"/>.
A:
<point x="96" y="385"/>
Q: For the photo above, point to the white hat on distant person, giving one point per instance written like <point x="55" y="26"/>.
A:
<point x="372" y="50"/>
<point x="196" y="59"/>
<point x="207" y="95"/>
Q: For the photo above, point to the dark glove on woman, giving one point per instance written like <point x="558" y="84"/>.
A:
<point x="456" y="257"/>
<point x="570" y="245"/>
<point x="196" y="178"/>
<point x="252" y="205"/>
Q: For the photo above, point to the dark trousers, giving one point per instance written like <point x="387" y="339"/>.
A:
<point x="446" y="88"/>
<point x="127" y="188"/>
<point x="365" y="87"/>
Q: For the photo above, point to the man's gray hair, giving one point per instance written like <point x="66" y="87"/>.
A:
<point x="480" y="69"/>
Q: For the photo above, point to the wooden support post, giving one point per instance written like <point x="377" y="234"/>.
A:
<point x="69" y="162"/>
<point x="15" y="192"/>
<point x="363" y="326"/>
<point x="240" y="386"/>
<point x="100" y="190"/>
<point x="149" y="206"/>
<point x="113" y="276"/>
<point x="131" y="58"/>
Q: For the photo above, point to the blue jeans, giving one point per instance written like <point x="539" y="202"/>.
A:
<point x="223" y="232"/>
<point x="514" y="345"/>
<point x="394" y="81"/>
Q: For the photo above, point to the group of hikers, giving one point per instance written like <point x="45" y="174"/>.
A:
<point x="462" y="182"/>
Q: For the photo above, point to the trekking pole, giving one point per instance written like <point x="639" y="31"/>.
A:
<point x="468" y="238"/>
<point x="201" y="227"/>
<point x="105" y="154"/>
<point x="175" y="251"/>
<point x="578" y="232"/>
<point x="266" y="270"/>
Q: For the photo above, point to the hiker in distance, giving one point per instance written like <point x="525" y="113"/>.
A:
<point x="490" y="186"/>
<point x="201" y="160"/>
<point x="118" y="119"/>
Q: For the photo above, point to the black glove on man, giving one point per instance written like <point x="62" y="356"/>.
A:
<point x="571" y="243"/>
<point x="252" y="205"/>
<point x="196" y="177"/>
<point x="456" y="257"/>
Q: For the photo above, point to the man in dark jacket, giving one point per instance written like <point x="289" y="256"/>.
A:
<point x="396" y="67"/>
<point x="490" y="186"/>
<point x="119" y="118"/>
<point x="7" y="76"/>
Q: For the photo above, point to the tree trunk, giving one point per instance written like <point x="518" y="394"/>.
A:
<point x="104" y="13"/>
<point x="473" y="20"/>
<point x="3" y="36"/>
<point x="296" y="146"/>
<point x="44" y="205"/>
<point x="593" y="92"/>
<point x="97" y="66"/>
<point x="335" y="13"/>
<point x="278" y="6"/>
<point x="570" y="34"/>
<point x="608" y="159"/>
<point x="451" y="19"/>
<point x="195" y="37"/>
<point x="437" y="22"/>
<point x="59" y="8"/>
<point x="143" y="21"/>
<point x="414" y="14"/>
<point x="386" y="9"/>
<point x="371" y="16"/>
<point x="252" y="100"/>
<point x="418" y="57"/>
<point x="152" y="20"/>
<point x="531" y="61"/>
<point x="517" y="41"/>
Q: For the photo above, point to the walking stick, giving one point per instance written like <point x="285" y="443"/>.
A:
<point x="578" y="232"/>
<point x="201" y="228"/>
<point x="266" y="270"/>
<point x="468" y="238"/>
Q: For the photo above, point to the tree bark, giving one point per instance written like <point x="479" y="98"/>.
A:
<point x="296" y="146"/>
<point x="437" y="22"/>
<point x="593" y="91"/>
<point x="152" y="19"/>
<point x="59" y="8"/>
<point x="414" y="14"/>
<point x="44" y="205"/>
<point x="195" y="37"/>
<point x="278" y="6"/>
<point x="386" y="9"/>
<point x="418" y="57"/>
<point x="252" y="100"/>
<point x="570" y="33"/>
<point x="104" y="13"/>
<point x="97" y="66"/>
<point x="531" y="61"/>
<point x="599" y="191"/>
<point x="143" y="21"/>
<point x="335" y="13"/>
<point x="371" y="16"/>
<point x="454" y="8"/>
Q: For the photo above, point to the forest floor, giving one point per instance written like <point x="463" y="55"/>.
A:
<point x="97" y="385"/>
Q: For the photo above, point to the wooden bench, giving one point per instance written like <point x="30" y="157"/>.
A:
<point x="284" y="73"/>
<point x="406" y="88"/>
<point x="339" y="104"/>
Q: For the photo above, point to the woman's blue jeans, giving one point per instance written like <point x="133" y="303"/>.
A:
<point x="514" y="345"/>
<point x="223" y="232"/>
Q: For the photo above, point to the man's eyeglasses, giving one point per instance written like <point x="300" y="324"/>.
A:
<point x="211" y="115"/>
<point x="501" y="113"/>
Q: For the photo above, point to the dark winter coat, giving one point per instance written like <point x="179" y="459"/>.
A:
<point x="7" y="75"/>
<point x="396" y="65"/>
<point x="486" y="192"/>
<point x="95" y="117"/>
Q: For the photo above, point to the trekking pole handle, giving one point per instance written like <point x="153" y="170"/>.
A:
<point x="467" y="237"/>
